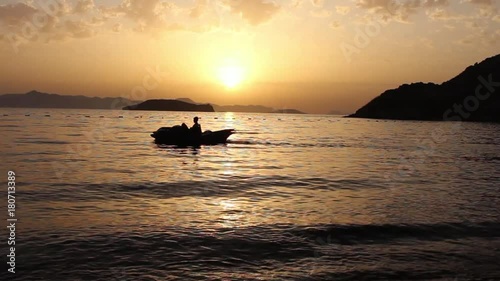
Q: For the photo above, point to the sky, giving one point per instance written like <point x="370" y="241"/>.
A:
<point x="313" y="55"/>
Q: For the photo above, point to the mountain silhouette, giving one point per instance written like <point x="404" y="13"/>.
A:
<point x="473" y="95"/>
<point x="188" y="100"/>
<point x="244" y="108"/>
<point x="288" y="111"/>
<point x="170" y="105"/>
<point x="35" y="99"/>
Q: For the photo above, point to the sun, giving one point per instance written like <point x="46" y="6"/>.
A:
<point x="231" y="75"/>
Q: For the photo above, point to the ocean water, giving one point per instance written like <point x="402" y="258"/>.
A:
<point x="291" y="197"/>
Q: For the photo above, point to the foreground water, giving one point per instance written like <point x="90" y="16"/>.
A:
<point x="291" y="197"/>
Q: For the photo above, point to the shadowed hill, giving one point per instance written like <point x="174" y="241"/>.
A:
<point x="36" y="99"/>
<point x="473" y="95"/>
<point x="288" y="111"/>
<point x="188" y="100"/>
<point x="170" y="105"/>
<point x="243" y="108"/>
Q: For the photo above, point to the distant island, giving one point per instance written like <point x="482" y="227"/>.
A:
<point x="246" y="108"/>
<point x="473" y="95"/>
<point x="170" y="105"/>
<point x="243" y="108"/>
<point x="35" y="99"/>
<point x="288" y="111"/>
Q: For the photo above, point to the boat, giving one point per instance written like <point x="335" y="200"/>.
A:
<point x="181" y="136"/>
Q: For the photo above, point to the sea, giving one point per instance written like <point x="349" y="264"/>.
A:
<point x="290" y="197"/>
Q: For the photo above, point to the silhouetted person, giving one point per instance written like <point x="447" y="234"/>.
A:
<point x="196" y="129"/>
<point x="185" y="128"/>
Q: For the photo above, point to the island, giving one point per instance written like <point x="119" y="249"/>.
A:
<point x="170" y="105"/>
<point x="473" y="95"/>
<point x="35" y="99"/>
<point x="243" y="108"/>
<point x="246" y="108"/>
<point x="288" y="111"/>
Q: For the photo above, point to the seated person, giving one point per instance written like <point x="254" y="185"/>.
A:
<point x="196" y="129"/>
<point x="184" y="127"/>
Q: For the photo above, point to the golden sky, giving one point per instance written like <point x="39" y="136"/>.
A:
<point x="312" y="55"/>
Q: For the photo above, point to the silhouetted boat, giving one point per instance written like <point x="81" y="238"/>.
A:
<point x="178" y="135"/>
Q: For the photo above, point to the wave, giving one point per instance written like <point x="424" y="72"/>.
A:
<point x="226" y="185"/>
<point x="482" y="159"/>
<point x="269" y="240"/>
<point x="288" y="144"/>
<point x="377" y="233"/>
<point x="37" y="141"/>
<point x="302" y="251"/>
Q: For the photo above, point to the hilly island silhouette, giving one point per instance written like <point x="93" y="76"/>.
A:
<point x="36" y="99"/>
<point x="473" y="95"/>
<point x="170" y="105"/>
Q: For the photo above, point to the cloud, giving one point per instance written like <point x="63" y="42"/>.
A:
<point x="297" y="3"/>
<point x="51" y="25"/>
<point x="61" y="29"/>
<point x="480" y="2"/>
<point x="83" y="6"/>
<point x="52" y="20"/>
<point x="443" y="15"/>
<point x="472" y="24"/>
<point x="199" y="9"/>
<point x="79" y="29"/>
<point x="117" y="27"/>
<point x="481" y="38"/>
<point x="58" y="20"/>
<point x="54" y="8"/>
<point x="342" y="10"/>
<point x="435" y="3"/>
<point x="426" y="42"/>
<point x="254" y="12"/>
<point x="335" y="25"/>
<point x="321" y="13"/>
<point x="467" y="40"/>
<point x="157" y="16"/>
<point x="377" y="5"/>
<point x="318" y="3"/>
<point x="147" y="14"/>
<point x="14" y="14"/>
<point x="398" y="11"/>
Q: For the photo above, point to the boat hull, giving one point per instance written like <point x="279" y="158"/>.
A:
<point x="178" y="136"/>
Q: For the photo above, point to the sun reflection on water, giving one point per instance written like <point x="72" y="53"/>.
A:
<point x="231" y="214"/>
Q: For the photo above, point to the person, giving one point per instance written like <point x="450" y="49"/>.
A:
<point x="196" y="129"/>
<point x="185" y="128"/>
